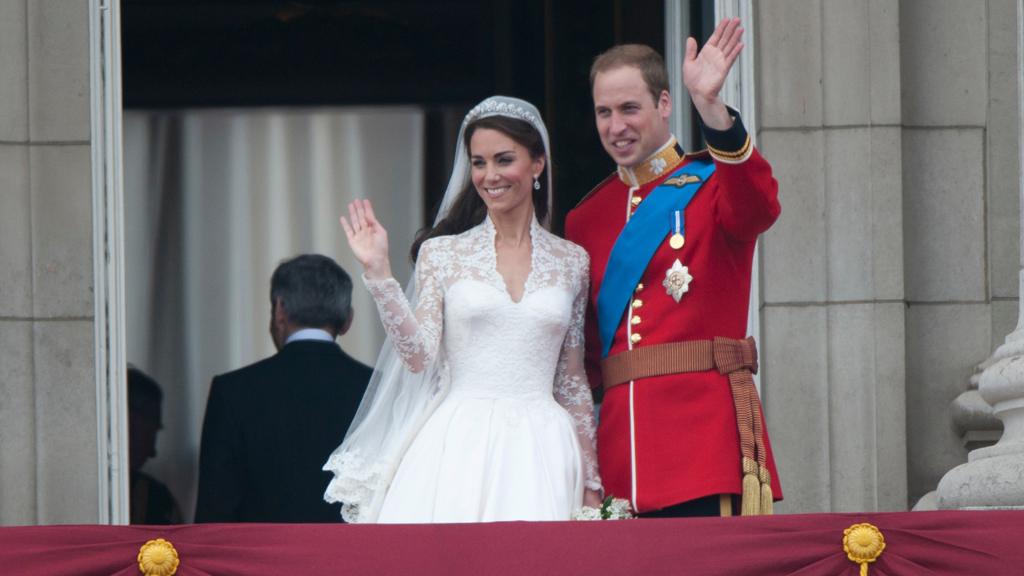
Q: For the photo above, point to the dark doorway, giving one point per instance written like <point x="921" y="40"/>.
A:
<point x="442" y="55"/>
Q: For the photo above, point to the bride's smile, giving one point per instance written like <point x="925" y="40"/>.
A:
<point x="503" y="172"/>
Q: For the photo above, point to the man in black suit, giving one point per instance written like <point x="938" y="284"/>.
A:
<point x="270" y="426"/>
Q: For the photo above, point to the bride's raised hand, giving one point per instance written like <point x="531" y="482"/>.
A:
<point x="367" y="238"/>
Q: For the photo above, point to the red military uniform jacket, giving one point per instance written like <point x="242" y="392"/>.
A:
<point x="670" y="439"/>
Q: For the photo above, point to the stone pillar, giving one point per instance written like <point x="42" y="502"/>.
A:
<point x="828" y="76"/>
<point x="993" y="477"/>
<point x="48" y="423"/>
<point x="959" y="146"/>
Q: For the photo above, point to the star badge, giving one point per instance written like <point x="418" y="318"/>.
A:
<point x="677" y="280"/>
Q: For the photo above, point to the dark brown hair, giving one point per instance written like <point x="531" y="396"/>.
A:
<point x="639" y="56"/>
<point x="469" y="209"/>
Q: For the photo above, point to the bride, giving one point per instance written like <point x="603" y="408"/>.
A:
<point x="479" y="408"/>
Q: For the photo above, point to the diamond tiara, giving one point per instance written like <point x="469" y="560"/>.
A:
<point x="496" y="108"/>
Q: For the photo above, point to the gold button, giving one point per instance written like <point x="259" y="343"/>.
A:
<point x="635" y="320"/>
<point x="639" y="287"/>
<point x="635" y="200"/>
<point x="638" y="303"/>
<point x="634" y="338"/>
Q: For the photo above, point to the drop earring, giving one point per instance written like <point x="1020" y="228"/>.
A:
<point x="536" y="182"/>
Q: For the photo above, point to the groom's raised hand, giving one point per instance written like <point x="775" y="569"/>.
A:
<point x="704" y="72"/>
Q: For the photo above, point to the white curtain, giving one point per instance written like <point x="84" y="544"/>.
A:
<point x="214" y="200"/>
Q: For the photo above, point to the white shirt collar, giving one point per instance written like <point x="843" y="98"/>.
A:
<point x="309" y="334"/>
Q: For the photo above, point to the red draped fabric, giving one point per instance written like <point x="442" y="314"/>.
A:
<point x="917" y="543"/>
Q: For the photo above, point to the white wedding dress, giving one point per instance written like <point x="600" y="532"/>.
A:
<point x="513" y="437"/>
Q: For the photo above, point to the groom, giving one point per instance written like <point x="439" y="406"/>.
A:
<point x="671" y="239"/>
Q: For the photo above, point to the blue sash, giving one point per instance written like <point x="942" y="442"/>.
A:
<point x="639" y="240"/>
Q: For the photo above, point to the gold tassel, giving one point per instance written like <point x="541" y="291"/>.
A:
<point x="767" y="508"/>
<point x="767" y="501"/>
<point x="750" y="504"/>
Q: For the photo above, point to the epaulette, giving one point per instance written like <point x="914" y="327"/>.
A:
<point x="600" y="185"/>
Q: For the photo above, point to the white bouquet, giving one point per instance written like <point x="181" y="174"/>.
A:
<point x="611" y="509"/>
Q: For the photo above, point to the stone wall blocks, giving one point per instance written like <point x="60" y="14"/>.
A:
<point x="1002" y="151"/>
<point x="789" y="45"/>
<point x="17" y="415"/>
<point x="846" y="87"/>
<point x="15" y="232"/>
<point x="66" y="405"/>
<point x="58" y="74"/>
<point x="14" y="71"/>
<point x="866" y="406"/>
<point x="864" y="214"/>
<point x="885" y="63"/>
<point x="943" y="214"/>
<point x="848" y="215"/>
<point x="795" y="392"/>
<point x="945" y="342"/>
<point x="890" y="343"/>
<point x="795" y="269"/>
<point x="944" y="62"/>
<point x="886" y="177"/>
<point x="62" y="231"/>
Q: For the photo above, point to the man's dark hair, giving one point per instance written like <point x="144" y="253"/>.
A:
<point x="313" y="291"/>
<point x="639" y="56"/>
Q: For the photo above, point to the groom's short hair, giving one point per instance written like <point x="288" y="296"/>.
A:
<point x="639" y="56"/>
<point x="313" y="290"/>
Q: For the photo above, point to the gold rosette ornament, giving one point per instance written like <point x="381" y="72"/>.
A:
<point x="863" y="544"/>
<point x="158" y="558"/>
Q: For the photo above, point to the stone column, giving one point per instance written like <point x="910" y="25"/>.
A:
<point x="833" y="376"/>
<point x="993" y="477"/>
<point x="48" y="423"/>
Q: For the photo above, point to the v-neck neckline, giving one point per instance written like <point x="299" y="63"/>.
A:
<point x="492" y="236"/>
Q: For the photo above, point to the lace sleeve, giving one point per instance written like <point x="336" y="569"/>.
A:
<point x="571" y="388"/>
<point x="416" y="335"/>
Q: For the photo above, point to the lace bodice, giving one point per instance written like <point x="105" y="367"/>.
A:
<point x="495" y="346"/>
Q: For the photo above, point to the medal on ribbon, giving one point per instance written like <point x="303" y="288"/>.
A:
<point x="677" y="240"/>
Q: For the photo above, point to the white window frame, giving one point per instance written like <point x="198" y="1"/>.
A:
<point x="108" y="215"/>
<point x="108" y="260"/>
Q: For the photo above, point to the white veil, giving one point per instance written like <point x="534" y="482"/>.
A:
<point x="398" y="402"/>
